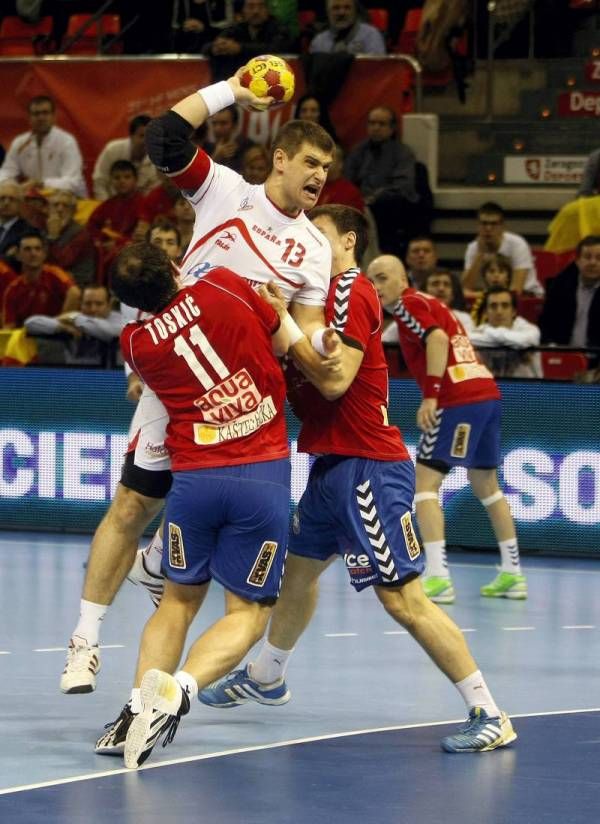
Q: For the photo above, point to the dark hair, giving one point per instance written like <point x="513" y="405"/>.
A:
<point x="324" y="118"/>
<point x="346" y="219"/>
<point x="33" y="233"/>
<point x="165" y="226"/>
<point x="502" y="262"/>
<point x="294" y="133"/>
<point x="41" y="98"/>
<point x="88" y="286"/>
<point x="458" y="298"/>
<point x="589" y="240"/>
<point x="137" y="121"/>
<point x="497" y="290"/>
<point x="491" y="208"/>
<point x="392" y="114"/>
<point x="123" y="166"/>
<point x="142" y="276"/>
<point x="234" y="112"/>
<point x="420" y="239"/>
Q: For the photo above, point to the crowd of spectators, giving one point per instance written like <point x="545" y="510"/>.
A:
<point x="57" y="239"/>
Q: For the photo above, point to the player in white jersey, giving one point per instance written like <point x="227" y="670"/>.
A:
<point x="261" y="233"/>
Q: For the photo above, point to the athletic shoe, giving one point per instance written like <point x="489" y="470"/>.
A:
<point x="139" y="574"/>
<point x="112" y="742"/>
<point x="439" y="590"/>
<point x="81" y="668"/>
<point x="238" y="688"/>
<point x="481" y="733"/>
<point x="506" y="585"/>
<point x="163" y="704"/>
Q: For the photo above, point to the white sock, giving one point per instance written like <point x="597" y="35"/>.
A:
<point x="476" y="694"/>
<point x="509" y="556"/>
<point x="437" y="562"/>
<point x="270" y="665"/>
<point x="87" y="631"/>
<point x="187" y="683"/>
<point x="153" y="554"/>
<point x="136" y="700"/>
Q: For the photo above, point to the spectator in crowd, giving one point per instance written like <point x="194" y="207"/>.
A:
<point x="35" y="209"/>
<point x="256" y="164"/>
<point x="159" y="202"/>
<point x="227" y="146"/>
<point x="69" y="243"/>
<point x="337" y="188"/>
<point x="257" y="33"/>
<point x="46" y="156"/>
<point x="504" y="332"/>
<point x="383" y="168"/>
<point x="312" y="107"/>
<point x="492" y="238"/>
<point x="196" y="22"/>
<point x="84" y="334"/>
<point x="7" y="275"/>
<point x="12" y="225"/>
<point x="445" y="286"/>
<point x="421" y="260"/>
<point x="346" y="32"/>
<point x="132" y="148"/>
<point x="112" y="222"/>
<point x="571" y="313"/>
<point x="495" y="271"/>
<point x="185" y="218"/>
<point x="590" y="178"/>
<point x="165" y="235"/>
<point x="41" y="288"/>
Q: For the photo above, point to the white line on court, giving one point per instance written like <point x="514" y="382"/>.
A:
<point x="340" y="634"/>
<point x="292" y="742"/>
<point x="578" y="626"/>
<point x="517" y="629"/>
<point x="395" y="632"/>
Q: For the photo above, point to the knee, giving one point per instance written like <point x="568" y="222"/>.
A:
<point x="132" y="510"/>
<point x="404" y="607"/>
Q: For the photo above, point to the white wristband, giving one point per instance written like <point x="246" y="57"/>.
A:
<point x="292" y="328"/>
<point x="317" y="341"/>
<point x="217" y="97"/>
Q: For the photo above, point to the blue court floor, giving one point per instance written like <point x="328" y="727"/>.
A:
<point x="358" y="742"/>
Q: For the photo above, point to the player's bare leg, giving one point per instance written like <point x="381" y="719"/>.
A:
<point x="510" y="582"/>
<point x="436" y="581"/>
<point x="111" y="555"/>
<point x="263" y="679"/>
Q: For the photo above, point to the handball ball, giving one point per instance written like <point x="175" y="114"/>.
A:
<point x="269" y="76"/>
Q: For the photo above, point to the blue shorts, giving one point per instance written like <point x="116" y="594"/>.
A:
<point x="360" y="509"/>
<point x="231" y="524"/>
<point x="466" y="435"/>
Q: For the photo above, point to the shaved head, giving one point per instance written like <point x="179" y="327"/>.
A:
<point x="388" y="276"/>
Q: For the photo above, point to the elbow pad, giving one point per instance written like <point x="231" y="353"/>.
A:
<point x="168" y="142"/>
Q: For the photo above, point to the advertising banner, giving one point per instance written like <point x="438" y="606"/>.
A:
<point x="579" y="104"/>
<point x="543" y="169"/>
<point x="63" y="433"/>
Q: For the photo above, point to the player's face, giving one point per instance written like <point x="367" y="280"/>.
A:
<point x="589" y="263"/>
<point x="421" y="256"/>
<point x="499" y="309"/>
<point x="389" y="283"/>
<point x="94" y="303"/>
<point x="440" y="286"/>
<point x="304" y="176"/>
<point x="325" y="225"/>
<point x="166" y="240"/>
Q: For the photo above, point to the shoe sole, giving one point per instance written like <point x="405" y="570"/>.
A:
<point x="442" y="599"/>
<point x="506" y="738"/>
<point x="139" y="731"/>
<point x="118" y="750"/>
<point x="512" y="596"/>
<point x="267" y="702"/>
<point x="82" y="689"/>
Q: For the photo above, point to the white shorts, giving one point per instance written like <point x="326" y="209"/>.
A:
<point x="147" y="434"/>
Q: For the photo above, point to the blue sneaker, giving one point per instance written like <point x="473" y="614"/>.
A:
<point x="238" y="688"/>
<point x="481" y="733"/>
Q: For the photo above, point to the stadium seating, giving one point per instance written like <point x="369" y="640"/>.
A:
<point x="549" y="264"/>
<point x="407" y="39"/>
<point x="90" y="40"/>
<point x="562" y="366"/>
<point x="379" y="18"/>
<point x="18" y="38"/>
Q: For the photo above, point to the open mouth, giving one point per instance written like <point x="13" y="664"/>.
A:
<point x="312" y="190"/>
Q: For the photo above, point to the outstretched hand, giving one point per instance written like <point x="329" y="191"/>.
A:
<point x="246" y="98"/>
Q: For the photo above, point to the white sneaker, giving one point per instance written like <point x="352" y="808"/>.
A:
<point x="81" y="668"/>
<point x="139" y="574"/>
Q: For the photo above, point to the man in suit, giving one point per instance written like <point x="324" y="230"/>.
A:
<point x="571" y="314"/>
<point x="12" y="224"/>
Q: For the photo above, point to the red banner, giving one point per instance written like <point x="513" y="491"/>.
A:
<point x="579" y="104"/>
<point x="95" y="99"/>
